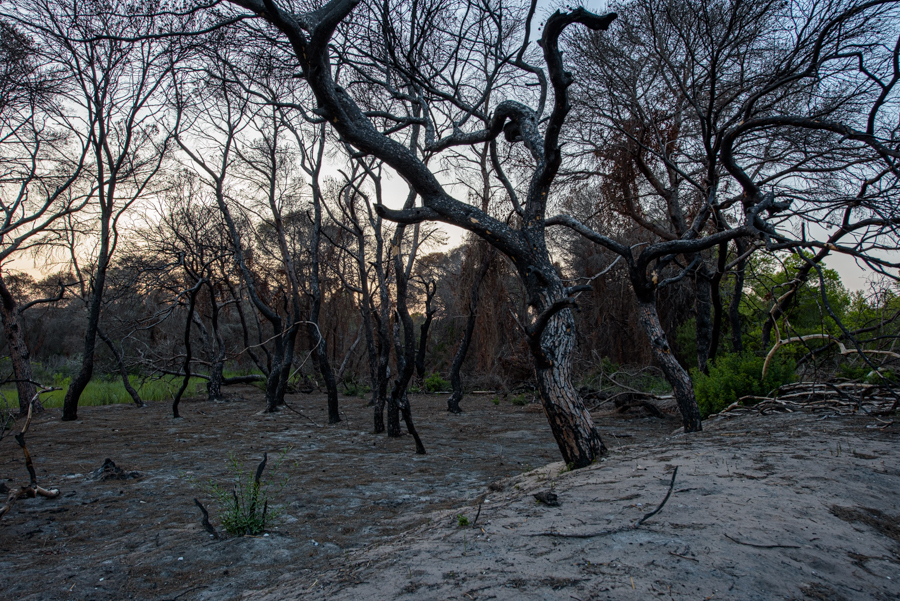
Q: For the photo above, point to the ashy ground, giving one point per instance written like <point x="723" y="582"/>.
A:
<point x="791" y="506"/>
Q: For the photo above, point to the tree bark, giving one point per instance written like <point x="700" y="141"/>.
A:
<point x="676" y="375"/>
<point x="571" y="423"/>
<point x="18" y="351"/>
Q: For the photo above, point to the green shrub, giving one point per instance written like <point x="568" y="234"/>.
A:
<point x="732" y="376"/>
<point x="354" y="388"/>
<point x="462" y="521"/>
<point x="244" y="508"/>
<point x="435" y="383"/>
<point x="520" y="400"/>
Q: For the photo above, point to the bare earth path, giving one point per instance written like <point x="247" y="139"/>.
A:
<point x="779" y="507"/>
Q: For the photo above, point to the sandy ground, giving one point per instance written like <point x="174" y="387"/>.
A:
<point x="777" y="507"/>
<point x="799" y="506"/>
<point x="348" y="489"/>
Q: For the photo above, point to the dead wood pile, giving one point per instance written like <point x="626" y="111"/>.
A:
<point x="841" y="398"/>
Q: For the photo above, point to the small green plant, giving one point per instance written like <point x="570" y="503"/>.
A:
<point x="520" y="400"/>
<point x="462" y="521"/>
<point x="495" y="401"/>
<point x="244" y="508"/>
<point x="435" y="383"/>
<point x="354" y="388"/>
<point x="732" y="376"/>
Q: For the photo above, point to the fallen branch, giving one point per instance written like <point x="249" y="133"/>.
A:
<point x="757" y="546"/>
<point x="633" y="526"/>
<point x="32" y="490"/>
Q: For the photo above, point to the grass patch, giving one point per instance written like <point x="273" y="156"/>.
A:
<point x="101" y="391"/>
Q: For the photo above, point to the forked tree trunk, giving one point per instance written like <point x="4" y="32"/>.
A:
<point x="18" y="351"/>
<point x="675" y="374"/>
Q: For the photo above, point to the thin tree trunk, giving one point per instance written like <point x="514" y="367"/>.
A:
<point x="676" y="375"/>
<point x="81" y="380"/>
<point x="734" y="309"/>
<point x="192" y="299"/>
<point x="430" y="290"/>
<point x="321" y="351"/>
<point x="463" y="348"/>
<point x="704" y="322"/>
<point x="120" y="363"/>
<point x="18" y="351"/>
<point x="716" y="297"/>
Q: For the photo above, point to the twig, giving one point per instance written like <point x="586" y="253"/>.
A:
<point x="634" y="526"/>
<point x="740" y="542"/>
<point x="301" y="414"/>
<point x="659" y="508"/>
<point x="478" y="513"/>
<point x="205" y="521"/>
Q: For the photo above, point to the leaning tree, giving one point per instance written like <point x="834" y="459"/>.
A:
<point x="421" y="71"/>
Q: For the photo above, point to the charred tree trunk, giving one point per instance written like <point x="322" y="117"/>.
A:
<point x="676" y="375"/>
<point x="571" y="423"/>
<point x="321" y="352"/>
<point x="734" y="309"/>
<point x="406" y="358"/>
<point x="18" y="351"/>
<point x="703" y="315"/>
<point x="430" y="290"/>
<point x="120" y="363"/>
<point x="192" y="300"/>
<point x="393" y="401"/>
<point x="463" y="348"/>
<point x="95" y="304"/>
<point x="716" y="296"/>
<point x="214" y="385"/>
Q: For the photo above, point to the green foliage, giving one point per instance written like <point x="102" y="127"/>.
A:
<point x="495" y="401"/>
<point x="354" y="388"/>
<point x="435" y="383"/>
<point x="462" y="521"/>
<point x="806" y="315"/>
<point x="106" y="391"/>
<point x="732" y="376"/>
<point x="520" y="400"/>
<point x="686" y="342"/>
<point x="244" y="507"/>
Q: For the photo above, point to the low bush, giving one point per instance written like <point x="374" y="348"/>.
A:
<point x="435" y="383"/>
<point x="732" y="376"/>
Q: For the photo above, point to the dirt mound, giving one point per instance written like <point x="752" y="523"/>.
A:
<point x="110" y="471"/>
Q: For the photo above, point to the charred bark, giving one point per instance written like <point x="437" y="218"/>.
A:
<point x="430" y="290"/>
<point x="676" y="375"/>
